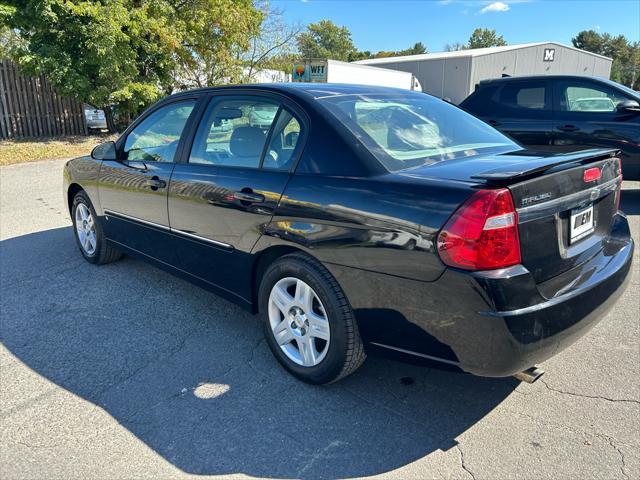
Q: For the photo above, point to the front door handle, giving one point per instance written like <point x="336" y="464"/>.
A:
<point x="247" y="196"/>
<point x="568" y="128"/>
<point x="155" y="183"/>
<point x="493" y="123"/>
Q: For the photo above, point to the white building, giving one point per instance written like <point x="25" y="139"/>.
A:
<point x="454" y="75"/>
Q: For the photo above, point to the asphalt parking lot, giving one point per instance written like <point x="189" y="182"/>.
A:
<point x="124" y="371"/>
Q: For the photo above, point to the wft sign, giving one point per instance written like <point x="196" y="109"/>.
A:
<point x="318" y="72"/>
<point x="310" y="71"/>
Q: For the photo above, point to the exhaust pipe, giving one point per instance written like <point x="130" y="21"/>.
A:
<point x="530" y="375"/>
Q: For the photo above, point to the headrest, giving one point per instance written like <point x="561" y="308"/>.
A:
<point x="246" y="142"/>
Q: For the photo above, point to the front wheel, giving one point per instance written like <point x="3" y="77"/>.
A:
<point x="309" y="324"/>
<point x="88" y="232"/>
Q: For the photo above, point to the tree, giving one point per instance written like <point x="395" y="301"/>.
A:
<point x="589" y="40"/>
<point x="454" y="47"/>
<point x="271" y="47"/>
<point x="625" y="54"/>
<point x="129" y="52"/>
<point x="417" y="49"/>
<point x="325" y="39"/>
<point x="212" y="37"/>
<point x="485" y="37"/>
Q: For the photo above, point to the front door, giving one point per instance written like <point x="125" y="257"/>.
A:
<point x="587" y="116"/>
<point x="133" y="189"/>
<point x="221" y="199"/>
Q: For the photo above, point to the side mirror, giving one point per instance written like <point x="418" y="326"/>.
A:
<point x="629" y="106"/>
<point x="104" y="151"/>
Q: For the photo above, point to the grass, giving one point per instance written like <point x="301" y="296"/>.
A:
<point x="34" y="149"/>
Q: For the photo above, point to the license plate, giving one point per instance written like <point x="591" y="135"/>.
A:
<point x="581" y="223"/>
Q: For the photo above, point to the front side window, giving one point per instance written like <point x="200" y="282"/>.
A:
<point x="156" y="138"/>
<point x="234" y="132"/>
<point x="410" y="130"/>
<point x="582" y="97"/>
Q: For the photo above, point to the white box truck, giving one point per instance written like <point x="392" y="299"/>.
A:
<point x="335" y="71"/>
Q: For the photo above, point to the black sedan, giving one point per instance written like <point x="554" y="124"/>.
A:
<point x="360" y="218"/>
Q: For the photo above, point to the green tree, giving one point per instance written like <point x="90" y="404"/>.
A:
<point x="129" y="53"/>
<point x="485" y="37"/>
<point x="325" y="39"/>
<point x="589" y="40"/>
<point x="417" y="49"/>
<point x="272" y="46"/>
<point x="454" y="47"/>
<point x="625" y="54"/>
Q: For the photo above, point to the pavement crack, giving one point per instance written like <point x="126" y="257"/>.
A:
<point x="253" y="352"/>
<point x="152" y="361"/>
<point x="318" y="454"/>
<point x="463" y="463"/>
<point x="596" y="397"/>
<point x="617" y="449"/>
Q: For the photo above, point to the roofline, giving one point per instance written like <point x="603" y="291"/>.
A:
<point x="545" y="77"/>
<point x="474" y="52"/>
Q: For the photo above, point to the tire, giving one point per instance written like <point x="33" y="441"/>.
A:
<point x="102" y="252"/>
<point x="342" y="350"/>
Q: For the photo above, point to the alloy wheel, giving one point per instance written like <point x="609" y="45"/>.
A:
<point x="299" y="321"/>
<point x="85" y="229"/>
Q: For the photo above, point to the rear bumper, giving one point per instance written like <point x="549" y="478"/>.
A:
<point x="494" y="323"/>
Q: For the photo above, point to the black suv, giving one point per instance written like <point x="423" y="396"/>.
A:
<point x="563" y="114"/>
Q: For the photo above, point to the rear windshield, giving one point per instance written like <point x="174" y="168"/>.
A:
<point x="413" y="129"/>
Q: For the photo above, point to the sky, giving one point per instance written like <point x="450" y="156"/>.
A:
<point x="394" y="25"/>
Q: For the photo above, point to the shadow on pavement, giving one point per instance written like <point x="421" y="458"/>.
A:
<point x="630" y="201"/>
<point x="188" y="374"/>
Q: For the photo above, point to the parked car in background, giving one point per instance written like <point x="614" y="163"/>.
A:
<point x="362" y="217"/>
<point x="262" y="115"/>
<point x="563" y="114"/>
<point x="95" y="118"/>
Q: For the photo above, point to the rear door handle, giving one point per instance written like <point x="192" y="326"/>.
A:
<point x="568" y="128"/>
<point x="248" y="196"/>
<point x="155" y="183"/>
<point x="493" y="123"/>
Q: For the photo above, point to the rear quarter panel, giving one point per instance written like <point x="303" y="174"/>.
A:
<point x="383" y="224"/>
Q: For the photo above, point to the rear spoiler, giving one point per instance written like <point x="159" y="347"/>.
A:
<point x="523" y="169"/>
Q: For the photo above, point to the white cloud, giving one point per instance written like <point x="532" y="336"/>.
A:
<point x="495" y="7"/>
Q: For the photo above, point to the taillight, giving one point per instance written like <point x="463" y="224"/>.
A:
<point x="482" y="234"/>
<point x="591" y="174"/>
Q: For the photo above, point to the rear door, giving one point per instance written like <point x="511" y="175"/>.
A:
<point x="586" y="116"/>
<point x="225" y="193"/>
<point x="523" y="111"/>
<point x="133" y="189"/>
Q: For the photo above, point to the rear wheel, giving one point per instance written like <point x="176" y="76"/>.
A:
<point x="88" y="232"/>
<point x="309" y="324"/>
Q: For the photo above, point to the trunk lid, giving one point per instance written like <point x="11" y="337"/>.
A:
<point x="563" y="220"/>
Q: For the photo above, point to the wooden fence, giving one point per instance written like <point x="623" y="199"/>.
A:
<point x="29" y="107"/>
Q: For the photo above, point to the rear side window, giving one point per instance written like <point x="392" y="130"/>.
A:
<point x="481" y="102"/>
<point x="284" y="140"/>
<point x="234" y="132"/>
<point x="588" y="98"/>
<point x="524" y="96"/>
